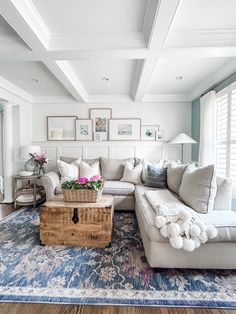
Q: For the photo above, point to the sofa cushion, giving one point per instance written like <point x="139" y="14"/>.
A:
<point x="118" y="188"/>
<point x="156" y="177"/>
<point x="71" y="159"/>
<point x="145" y="163"/>
<point x="89" y="171"/>
<point x="132" y="173"/>
<point x="225" y="222"/>
<point x="69" y="171"/>
<point x="174" y="176"/>
<point x="113" y="169"/>
<point x="198" y="188"/>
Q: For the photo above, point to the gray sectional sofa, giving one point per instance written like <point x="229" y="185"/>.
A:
<point x="217" y="253"/>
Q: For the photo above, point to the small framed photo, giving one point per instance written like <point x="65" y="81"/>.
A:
<point x="100" y="117"/>
<point x="61" y="128"/>
<point x="84" y="130"/>
<point x="160" y="135"/>
<point x="124" y="129"/>
<point x="148" y="132"/>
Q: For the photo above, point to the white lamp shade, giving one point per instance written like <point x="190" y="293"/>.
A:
<point x="182" y="138"/>
<point x="27" y="149"/>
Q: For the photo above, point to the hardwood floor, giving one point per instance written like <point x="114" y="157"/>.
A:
<point x="19" y="308"/>
<point x="5" y="210"/>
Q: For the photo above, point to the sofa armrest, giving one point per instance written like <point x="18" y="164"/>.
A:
<point x="50" y="181"/>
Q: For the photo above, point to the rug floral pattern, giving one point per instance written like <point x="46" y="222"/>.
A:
<point x="118" y="274"/>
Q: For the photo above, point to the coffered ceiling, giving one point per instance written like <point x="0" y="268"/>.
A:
<point x="108" y="50"/>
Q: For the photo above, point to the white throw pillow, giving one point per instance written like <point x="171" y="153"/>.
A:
<point x="175" y="173"/>
<point x="69" y="171"/>
<point x="145" y="166"/>
<point x="198" y="188"/>
<point x="132" y="174"/>
<point x="89" y="171"/>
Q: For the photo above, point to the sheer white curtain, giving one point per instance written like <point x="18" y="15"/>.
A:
<point x="207" y="129"/>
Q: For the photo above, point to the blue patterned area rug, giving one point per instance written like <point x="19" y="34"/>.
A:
<point x="115" y="275"/>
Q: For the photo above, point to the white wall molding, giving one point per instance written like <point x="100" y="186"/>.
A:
<point x="15" y="90"/>
<point x="32" y="17"/>
<point x="201" y="38"/>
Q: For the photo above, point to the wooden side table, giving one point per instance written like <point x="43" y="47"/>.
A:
<point x="31" y="187"/>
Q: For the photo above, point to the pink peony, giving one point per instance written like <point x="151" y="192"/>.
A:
<point x="95" y="178"/>
<point x="82" y="180"/>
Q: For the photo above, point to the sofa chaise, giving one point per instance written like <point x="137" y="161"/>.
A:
<point x="218" y="253"/>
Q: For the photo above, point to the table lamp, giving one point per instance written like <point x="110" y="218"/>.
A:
<point x="182" y="139"/>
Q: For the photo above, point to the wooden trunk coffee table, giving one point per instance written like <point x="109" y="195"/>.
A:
<point x="77" y="224"/>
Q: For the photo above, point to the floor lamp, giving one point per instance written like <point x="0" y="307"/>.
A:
<point x="182" y="139"/>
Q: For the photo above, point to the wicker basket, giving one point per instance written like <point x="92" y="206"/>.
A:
<point x="81" y="196"/>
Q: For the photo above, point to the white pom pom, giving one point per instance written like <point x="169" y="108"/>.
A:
<point x="203" y="237"/>
<point x="176" y="242"/>
<point x="173" y="229"/>
<point x="160" y="221"/>
<point x="184" y="215"/>
<point x="211" y="232"/>
<point x="201" y="225"/>
<point x="188" y="245"/>
<point x="164" y="231"/>
<point x="194" y="231"/>
<point x="196" y="242"/>
<point x="184" y="227"/>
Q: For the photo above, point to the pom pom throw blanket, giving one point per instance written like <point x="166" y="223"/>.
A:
<point x="178" y="222"/>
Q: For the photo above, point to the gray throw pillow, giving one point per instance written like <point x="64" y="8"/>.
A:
<point x="156" y="177"/>
<point x="174" y="176"/>
<point x="113" y="169"/>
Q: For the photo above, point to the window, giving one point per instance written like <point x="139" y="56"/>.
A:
<point x="226" y="133"/>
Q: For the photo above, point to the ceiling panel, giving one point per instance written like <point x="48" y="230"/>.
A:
<point x="78" y="17"/>
<point x="22" y="73"/>
<point x="193" y="71"/>
<point x="202" y="14"/>
<point x="93" y="75"/>
<point x="9" y="39"/>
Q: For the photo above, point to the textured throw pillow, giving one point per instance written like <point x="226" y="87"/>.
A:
<point x="68" y="171"/>
<point x="174" y="176"/>
<point x="145" y="162"/>
<point x="89" y="171"/>
<point x="156" y="177"/>
<point x="198" y="188"/>
<point x="113" y="169"/>
<point x="132" y="174"/>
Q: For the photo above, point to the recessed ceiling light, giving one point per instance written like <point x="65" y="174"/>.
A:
<point x="104" y="78"/>
<point x="33" y="80"/>
<point x="179" y="78"/>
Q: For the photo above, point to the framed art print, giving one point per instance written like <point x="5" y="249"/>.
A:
<point x="84" y="129"/>
<point x="61" y="128"/>
<point x="124" y="129"/>
<point x="148" y="132"/>
<point x="100" y="117"/>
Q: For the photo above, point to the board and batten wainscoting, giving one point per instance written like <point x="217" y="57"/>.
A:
<point x="152" y="151"/>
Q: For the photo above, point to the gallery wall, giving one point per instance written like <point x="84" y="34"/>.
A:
<point x="172" y="118"/>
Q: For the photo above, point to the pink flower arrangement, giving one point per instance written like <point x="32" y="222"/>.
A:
<point x="40" y="158"/>
<point x="81" y="183"/>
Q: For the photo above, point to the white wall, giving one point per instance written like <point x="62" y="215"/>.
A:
<point x="173" y="118"/>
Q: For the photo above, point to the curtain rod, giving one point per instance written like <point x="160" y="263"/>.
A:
<point x="218" y="83"/>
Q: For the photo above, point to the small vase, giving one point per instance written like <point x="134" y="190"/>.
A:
<point x="41" y="170"/>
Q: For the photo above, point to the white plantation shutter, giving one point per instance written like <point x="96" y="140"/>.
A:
<point x="226" y="133"/>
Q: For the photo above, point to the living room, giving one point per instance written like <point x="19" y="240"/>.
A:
<point x="137" y="98"/>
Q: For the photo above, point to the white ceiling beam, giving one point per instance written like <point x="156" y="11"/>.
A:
<point x="15" y="90"/>
<point x="19" y="21"/>
<point x="198" y="52"/>
<point x="165" y="12"/>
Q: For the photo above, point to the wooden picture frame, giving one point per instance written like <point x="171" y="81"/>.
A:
<point x="61" y="128"/>
<point x="84" y="130"/>
<point x="100" y="117"/>
<point x="148" y="132"/>
<point x="126" y="129"/>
